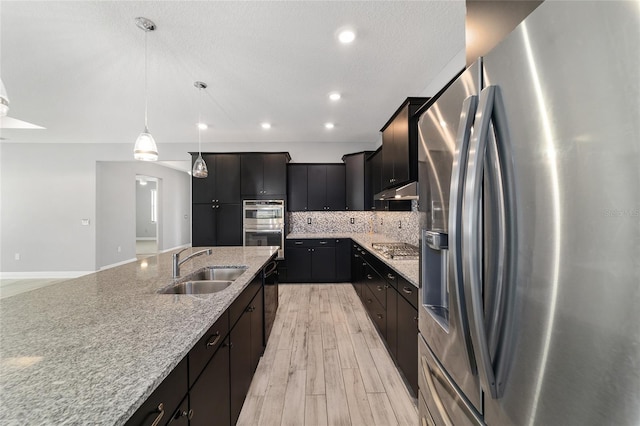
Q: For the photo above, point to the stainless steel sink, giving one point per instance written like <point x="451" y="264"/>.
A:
<point x="207" y="280"/>
<point x="197" y="287"/>
<point x="227" y="273"/>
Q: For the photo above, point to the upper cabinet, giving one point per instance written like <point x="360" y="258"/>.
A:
<point x="264" y="174"/>
<point x="400" y="145"/>
<point x="223" y="183"/>
<point x="359" y="195"/>
<point x="316" y="187"/>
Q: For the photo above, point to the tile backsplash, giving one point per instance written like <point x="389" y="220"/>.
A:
<point x="403" y="226"/>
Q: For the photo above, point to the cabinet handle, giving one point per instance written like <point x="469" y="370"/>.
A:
<point x="160" y="415"/>
<point x="391" y="276"/>
<point x="369" y="277"/>
<point x="215" y="341"/>
<point x="380" y="288"/>
<point x="355" y="255"/>
<point x="407" y="290"/>
<point x="323" y="242"/>
<point x="227" y="345"/>
<point x="251" y="308"/>
<point x="298" y="243"/>
<point x="187" y="414"/>
<point x="369" y="301"/>
<point x="380" y="316"/>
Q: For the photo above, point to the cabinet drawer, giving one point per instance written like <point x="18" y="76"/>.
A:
<point x="239" y="305"/>
<point x="324" y="242"/>
<point x="207" y="346"/>
<point x="408" y="291"/>
<point x="376" y="311"/>
<point x="164" y="401"/>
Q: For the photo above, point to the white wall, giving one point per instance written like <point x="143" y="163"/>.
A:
<point x="47" y="189"/>
<point x="116" y="209"/>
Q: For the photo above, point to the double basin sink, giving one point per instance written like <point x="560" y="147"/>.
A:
<point x="208" y="280"/>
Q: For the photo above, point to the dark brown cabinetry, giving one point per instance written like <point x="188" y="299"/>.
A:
<point x="209" y="398"/>
<point x="358" y="188"/>
<point x="374" y="162"/>
<point x="311" y="260"/>
<point x="264" y="175"/>
<point x="400" y="145"/>
<point x="321" y="188"/>
<point x="391" y="302"/>
<point x="343" y="260"/>
<point x="216" y="208"/>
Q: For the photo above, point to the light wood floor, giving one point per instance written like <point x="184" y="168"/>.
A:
<point x="325" y="364"/>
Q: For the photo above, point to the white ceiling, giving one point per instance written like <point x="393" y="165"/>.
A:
<point x="77" y="68"/>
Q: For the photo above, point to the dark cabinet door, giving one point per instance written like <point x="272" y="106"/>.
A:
<point x="375" y="163"/>
<point x="275" y="174"/>
<point x="316" y="187"/>
<point x="227" y="178"/>
<point x="203" y="223"/>
<point x="323" y="264"/>
<point x="297" y="187"/>
<point x="204" y="190"/>
<point x="388" y="156"/>
<point x="343" y="260"/>
<point x="240" y="363"/>
<point x="392" y="320"/>
<point x="354" y="182"/>
<point x="407" y="356"/>
<point x="401" y="146"/>
<point x="209" y="396"/>
<point x="229" y="225"/>
<point x="181" y="416"/>
<point x="257" y="328"/>
<point x="251" y="167"/>
<point x="335" y="198"/>
<point x="357" y="269"/>
<point x="298" y="264"/>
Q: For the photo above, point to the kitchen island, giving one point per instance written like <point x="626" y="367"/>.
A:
<point x="92" y="349"/>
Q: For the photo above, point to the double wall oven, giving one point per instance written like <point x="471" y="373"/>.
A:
<point x="263" y="224"/>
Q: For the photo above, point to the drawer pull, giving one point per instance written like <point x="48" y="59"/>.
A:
<point x="355" y="255"/>
<point x="323" y="242"/>
<point x="298" y="243"/>
<point x="391" y="276"/>
<point x="215" y="341"/>
<point x="369" y="301"/>
<point x="380" y="316"/>
<point x="369" y="277"/>
<point x="160" y="415"/>
<point x="380" y="288"/>
<point x="407" y="290"/>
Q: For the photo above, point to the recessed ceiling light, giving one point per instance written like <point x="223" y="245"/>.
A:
<point x="329" y="125"/>
<point x="334" y="96"/>
<point x="346" y="36"/>
<point x="203" y="126"/>
<point x="266" y="125"/>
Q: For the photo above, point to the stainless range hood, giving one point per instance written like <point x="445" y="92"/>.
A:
<point x="404" y="192"/>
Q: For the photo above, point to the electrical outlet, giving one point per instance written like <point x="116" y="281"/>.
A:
<point x="85" y="222"/>
<point x="308" y="221"/>
<point x="119" y="249"/>
<point x="352" y="221"/>
<point x="17" y="256"/>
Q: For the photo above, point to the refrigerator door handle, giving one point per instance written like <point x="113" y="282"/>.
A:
<point x="472" y="245"/>
<point x="456" y="192"/>
<point x="434" y="393"/>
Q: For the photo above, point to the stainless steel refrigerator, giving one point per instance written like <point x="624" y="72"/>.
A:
<point x="529" y="180"/>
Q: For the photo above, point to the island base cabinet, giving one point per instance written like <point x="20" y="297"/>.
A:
<point x="209" y="396"/>
<point x="181" y="415"/>
<point x="240" y="365"/>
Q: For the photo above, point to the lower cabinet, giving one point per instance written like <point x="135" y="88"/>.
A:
<point x="318" y="260"/>
<point x="209" y="386"/>
<point x="392" y="304"/>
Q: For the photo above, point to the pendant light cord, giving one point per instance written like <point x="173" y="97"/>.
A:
<point x="199" y="119"/>
<point x="146" y="84"/>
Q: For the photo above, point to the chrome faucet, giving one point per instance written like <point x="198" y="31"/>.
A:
<point x="177" y="262"/>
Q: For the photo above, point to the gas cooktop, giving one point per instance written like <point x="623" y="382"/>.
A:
<point x="397" y="251"/>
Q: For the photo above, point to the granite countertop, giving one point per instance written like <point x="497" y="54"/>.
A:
<point x="92" y="349"/>
<point x="408" y="269"/>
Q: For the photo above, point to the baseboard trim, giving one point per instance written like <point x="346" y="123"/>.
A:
<point x="43" y="274"/>
<point x="146" y="238"/>
<point x="113" y="265"/>
<point x="175" y="248"/>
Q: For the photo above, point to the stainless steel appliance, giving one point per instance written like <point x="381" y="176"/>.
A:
<point x="397" y="251"/>
<point x="529" y="169"/>
<point x="263" y="224"/>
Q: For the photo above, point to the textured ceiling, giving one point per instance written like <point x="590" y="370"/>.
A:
<point x="77" y="68"/>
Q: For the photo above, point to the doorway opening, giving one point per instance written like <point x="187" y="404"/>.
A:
<point x="147" y="222"/>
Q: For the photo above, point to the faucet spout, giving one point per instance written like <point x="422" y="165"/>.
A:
<point x="177" y="262"/>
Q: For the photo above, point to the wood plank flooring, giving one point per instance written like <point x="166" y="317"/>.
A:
<point x="325" y="364"/>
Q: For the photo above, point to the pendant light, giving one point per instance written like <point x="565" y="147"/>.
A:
<point x="145" y="148"/>
<point x="199" y="166"/>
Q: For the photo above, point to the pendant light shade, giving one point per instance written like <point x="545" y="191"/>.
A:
<point x="145" y="148"/>
<point x="199" y="166"/>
